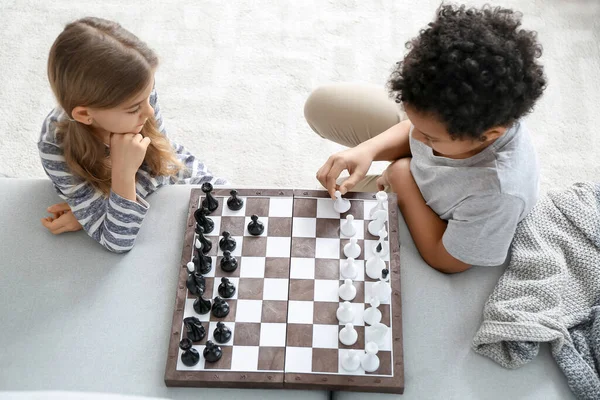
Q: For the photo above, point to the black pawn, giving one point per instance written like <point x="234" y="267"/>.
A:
<point x="255" y="227"/>
<point x="235" y="203"/>
<point x="195" y="282"/>
<point x="195" y="330"/>
<point x="209" y="201"/>
<point x="220" y="308"/>
<point x="202" y="306"/>
<point x="227" y="243"/>
<point x="228" y="262"/>
<point x="200" y="215"/>
<point x="226" y="288"/>
<point x="222" y="333"/>
<point x="212" y="353"/>
<point x="190" y="356"/>
<point x="205" y="243"/>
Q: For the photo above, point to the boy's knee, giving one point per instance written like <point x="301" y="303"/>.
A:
<point x="316" y="103"/>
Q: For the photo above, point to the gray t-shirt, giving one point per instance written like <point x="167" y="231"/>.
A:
<point x="483" y="197"/>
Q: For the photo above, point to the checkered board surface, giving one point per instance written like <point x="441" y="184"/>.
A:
<point x="283" y="314"/>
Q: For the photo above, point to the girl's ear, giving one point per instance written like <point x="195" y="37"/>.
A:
<point x="82" y="114"/>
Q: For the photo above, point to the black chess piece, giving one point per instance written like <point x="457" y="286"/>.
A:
<point x="222" y="333"/>
<point x="190" y="356"/>
<point x="212" y="353"/>
<point x="226" y="288"/>
<point x="202" y="306"/>
<point x="378" y="248"/>
<point x="202" y="263"/>
<point x="195" y="282"/>
<point x="194" y="329"/>
<point x="234" y="202"/>
<point x="209" y="201"/>
<point x="228" y="262"/>
<point x="384" y="273"/>
<point x="200" y="215"/>
<point x="206" y="245"/>
<point x="220" y="308"/>
<point x="227" y="243"/>
<point x="255" y="227"/>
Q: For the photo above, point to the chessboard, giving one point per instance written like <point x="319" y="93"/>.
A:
<point x="282" y="319"/>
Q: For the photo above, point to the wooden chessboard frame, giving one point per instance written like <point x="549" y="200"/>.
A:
<point x="279" y="380"/>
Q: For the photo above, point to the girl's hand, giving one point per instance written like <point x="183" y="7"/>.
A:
<point x="355" y="160"/>
<point x="62" y="220"/>
<point x="127" y="152"/>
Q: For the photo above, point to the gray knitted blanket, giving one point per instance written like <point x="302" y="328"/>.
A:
<point x="550" y="291"/>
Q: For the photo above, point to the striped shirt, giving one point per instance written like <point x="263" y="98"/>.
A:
<point x="113" y="221"/>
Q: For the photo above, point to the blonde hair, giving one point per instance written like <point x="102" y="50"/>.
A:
<point x="97" y="63"/>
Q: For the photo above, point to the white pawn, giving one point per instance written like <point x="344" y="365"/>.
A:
<point x="351" y="361"/>
<point x="198" y="244"/>
<point x="345" y="313"/>
<point x="370" y="361"/>
<point x="382" y="290"/>
<point x="378" y="223"/>
<point x="347" y="227"/>
<point x="382" y="199"/>
<point x="349" y="270"/>
<point x="348" y="335"/>
<point x="347" y="291"/>
<point x="376" y="333"/>
<point x="372" y="315"/>
<point x="352" y="249"/>
<point x="340" y="204"/>
<point x="190" y="267"/>
<point x="374" y="266"/>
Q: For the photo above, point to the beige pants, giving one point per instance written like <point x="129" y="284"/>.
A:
<point x="350" y="114"/>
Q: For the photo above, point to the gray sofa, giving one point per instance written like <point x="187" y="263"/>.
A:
<point x="77" y="318"/>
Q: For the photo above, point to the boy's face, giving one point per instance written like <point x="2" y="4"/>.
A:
<point x="429" y="130"/>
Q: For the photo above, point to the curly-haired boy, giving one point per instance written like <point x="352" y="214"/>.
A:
<point x="463" y="165"/>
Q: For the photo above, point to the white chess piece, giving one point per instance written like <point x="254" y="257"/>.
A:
<point x="370" y="361"/>
<point x="191" y="267"/>
<point x="382" y="290"/>
<point x="348" y="335"/>
<point x="347" y="227"/>
<point x="349" y="270"/>
<point x="352" y="249"/>
<point x="351" y="361"/>
<point x="372" y="315"/>
<point x="340" y="204"/>
<point x="378" y="223"/>
<point x="374" y="266"/>
<point x="382" y="199"/>
<point x="385" y="246"/>
<point x="345" y="313"/>
<point x="198" y="244"/>
<point x="376" y="333"/>
<point x="347" y="291"/>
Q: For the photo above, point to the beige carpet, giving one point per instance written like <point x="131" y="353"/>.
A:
<point x="235" y="74"/>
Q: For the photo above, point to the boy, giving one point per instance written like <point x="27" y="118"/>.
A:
<point x="463" y="165"/>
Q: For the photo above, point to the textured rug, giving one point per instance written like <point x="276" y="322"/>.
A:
<point x="234" y="76"/>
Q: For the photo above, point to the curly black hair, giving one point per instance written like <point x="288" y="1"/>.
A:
<point x="473" y="69"/>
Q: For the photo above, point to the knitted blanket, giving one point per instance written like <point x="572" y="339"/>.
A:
<point x="550" y="291"/>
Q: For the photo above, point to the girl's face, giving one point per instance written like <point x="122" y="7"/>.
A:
<point x="128" y="117"/>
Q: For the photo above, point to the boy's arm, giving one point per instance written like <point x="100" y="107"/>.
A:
<point x="425" y="226"/>
<point x="391" y="144"/>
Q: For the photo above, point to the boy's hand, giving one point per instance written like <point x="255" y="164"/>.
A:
<point x="356" y="161"/>
<point x="127" y="152"/>
<point x="62" y="220"/>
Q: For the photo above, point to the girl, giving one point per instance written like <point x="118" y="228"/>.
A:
<point x="105" y="147"/>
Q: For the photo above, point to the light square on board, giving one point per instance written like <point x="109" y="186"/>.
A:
<point x="325" y="336"/>
<point x="233" y="280"/>
<point x="327" y="248"/>
<point x="244" y="358"/>
<point x="369" y="291"/>
<point x="326" y="290"/>
<point x="198" y="367"/>
<point x="211" y="330"/>
<point x="368" y="205"/>
<point x="189" y="311"/>
<point x="275" y="289"/>
<point x="224" y="362"/>
<point x="247" y="220"/>
<point x="280" y="207"/>
<point x="253" y="267"/>
<point x="227" y="212"/>
<point x="385" y="344"/>
<point x="237" y="252"/>
<point x="300" y="312"/>
<point x="325" y="209"/>
<point x="359" y="226"/>
<point x="360" y="268"/>
<point x="302" y="268"/>
<point x="249" y="310"/>
<point x="304" y="227"/>
<point x="343" y="353"/>
<point x="298" y="359"/>
<point x="278" y="246"/>
<point x="231" y="317"/>
<point x="273" y="334"/>
<point x="217" y="227"/>
<point x="369" y="247"/>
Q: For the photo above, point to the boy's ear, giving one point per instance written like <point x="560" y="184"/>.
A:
<point x="82" y="114"/>
<point x="494" y="133"/>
